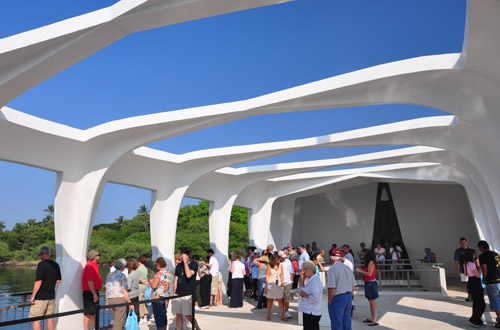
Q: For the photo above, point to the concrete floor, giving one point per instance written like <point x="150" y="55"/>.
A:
<point x="397" y="310"/>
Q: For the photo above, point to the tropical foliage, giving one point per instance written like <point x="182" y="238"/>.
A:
<point x="124" y="238"/>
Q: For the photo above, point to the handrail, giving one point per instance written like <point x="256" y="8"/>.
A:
<point x="3" y="308"/>
<point x="17" y="294"/>
<point x="99" y="307"/>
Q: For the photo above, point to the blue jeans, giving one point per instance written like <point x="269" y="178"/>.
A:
<point x="160" y="314"/>
<point x="262" y="302"/>
<point x="340" y="311"/>
<point x="494" y="295"/>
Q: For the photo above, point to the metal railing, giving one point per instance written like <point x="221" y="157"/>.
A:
<point x="405" y="273"/>
<point x="18" y="310"/>
<point x="101" y="309"/>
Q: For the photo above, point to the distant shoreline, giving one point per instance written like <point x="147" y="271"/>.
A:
<point x="18" y="263"/>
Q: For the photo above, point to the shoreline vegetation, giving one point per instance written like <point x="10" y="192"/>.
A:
<point x="125" y="238"/>
<point x="19" y="263"/>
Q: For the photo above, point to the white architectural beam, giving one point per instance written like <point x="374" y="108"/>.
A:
<point x="29" y="58"/>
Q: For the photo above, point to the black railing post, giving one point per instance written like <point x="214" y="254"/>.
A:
<point x="193" y="310"/>
<point x="97" y="310"/>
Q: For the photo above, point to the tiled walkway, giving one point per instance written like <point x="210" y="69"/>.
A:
<point x="410" y="312"/>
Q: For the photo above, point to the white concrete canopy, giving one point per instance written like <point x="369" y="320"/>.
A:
<point x="460" y="148"/>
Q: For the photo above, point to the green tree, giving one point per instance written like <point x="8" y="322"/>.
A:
<point x="120" y="220"/>
<point x="5" y="252"/>
<point x="50" y="214"/>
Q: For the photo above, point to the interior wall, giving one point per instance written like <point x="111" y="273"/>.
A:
<point x="429" y="215"/>
<point x="434" y="216"/>
<point x="343" y="216"/>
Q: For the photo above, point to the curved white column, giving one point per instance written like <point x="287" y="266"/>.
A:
<point x="163" y="221"/>
<point x="75" y="204"/>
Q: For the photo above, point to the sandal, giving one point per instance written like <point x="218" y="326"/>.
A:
<point x="372" y="324"/>
<point x="367" y="321"/>
<point x="284" y="319"/>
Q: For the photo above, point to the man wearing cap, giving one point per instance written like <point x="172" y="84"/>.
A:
<point x="287" y="282"/>
<point x="340" y="285"/>
<point x="91" y="284"/>
<point x="43" y="297"/>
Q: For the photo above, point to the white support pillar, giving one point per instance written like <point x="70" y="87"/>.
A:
<point x="76" y="202"/>
<point x="218" y="223"/>
<point x="259" y="223"/>
<point x="281" y="224"/>
<point x="165" y="204"/>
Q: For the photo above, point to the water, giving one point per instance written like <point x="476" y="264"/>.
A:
<point x="16" y="279"/>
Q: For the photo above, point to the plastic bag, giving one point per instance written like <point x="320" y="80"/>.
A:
<point x="147" y="294"/>
<point x="132" y="323"/>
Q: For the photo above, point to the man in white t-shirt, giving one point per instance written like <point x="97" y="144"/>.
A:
<point x="216" y="285"/>
<point x="379" y="253"/>
<point x="287" y="281"/>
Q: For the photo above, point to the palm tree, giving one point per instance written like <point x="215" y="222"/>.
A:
<point x="120" y="220"/>
<point x="143" y="210"/>
<point x="50" y="213"/>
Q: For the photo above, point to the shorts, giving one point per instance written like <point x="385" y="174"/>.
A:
<point x="371" y="290"/>
<point x="42" y="307"/>
<point x="494" y="295"/>
<point x="89" y="306"/>
<point x="287" y="294"/>
<point x="214" y="287"/>
<point x="182" y="305"/>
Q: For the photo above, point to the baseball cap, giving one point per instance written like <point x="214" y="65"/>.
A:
<point x="336" y="253"/>
<point x="44" y="250"/>
<point x="281" y="254"/>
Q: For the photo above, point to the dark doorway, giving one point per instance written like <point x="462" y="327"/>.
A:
<point x="386" y="226"/>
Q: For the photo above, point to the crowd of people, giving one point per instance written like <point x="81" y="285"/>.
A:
<point x="263" y="276"/>
<point x="282" y="274"/>
<point x="130" y="281"/>
<point x="477" y="272"/>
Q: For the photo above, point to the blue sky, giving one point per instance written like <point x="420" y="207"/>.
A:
<point x="220" y="59"/>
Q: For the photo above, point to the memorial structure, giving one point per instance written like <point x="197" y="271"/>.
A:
<point x="447" y="181"/>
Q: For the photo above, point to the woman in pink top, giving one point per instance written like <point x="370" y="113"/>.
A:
<point x="371" y="286"/>
<point x="475" y="288"/>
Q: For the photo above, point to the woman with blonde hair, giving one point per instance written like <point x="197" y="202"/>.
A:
<point x="274" y="286"/>
<point x="261" y="279"/>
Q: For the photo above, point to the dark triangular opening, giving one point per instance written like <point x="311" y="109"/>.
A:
<point x="386" y="225"/>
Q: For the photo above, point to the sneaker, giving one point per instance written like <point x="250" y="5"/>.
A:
<point x="196" y="308"/>
<point x="474" y="325"/>
<point x="288" y="315"/>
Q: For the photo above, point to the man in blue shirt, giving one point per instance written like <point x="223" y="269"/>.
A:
<point x="304" y="256"/>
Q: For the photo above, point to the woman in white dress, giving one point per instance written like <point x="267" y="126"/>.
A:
<point x="274" y="286"/>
